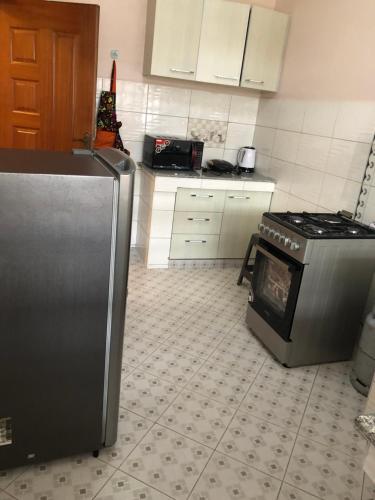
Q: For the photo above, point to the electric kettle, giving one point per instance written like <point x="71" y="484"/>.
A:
<point x="246" y="159"/>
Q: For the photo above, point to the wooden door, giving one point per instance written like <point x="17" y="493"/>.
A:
<point x="265" y="45"/>
<point x="48" y="59"/>
<point x="222" y="43"/>
<point x="172" y="38"/>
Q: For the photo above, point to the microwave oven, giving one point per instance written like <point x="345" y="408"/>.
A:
<point x="172" y="153"/>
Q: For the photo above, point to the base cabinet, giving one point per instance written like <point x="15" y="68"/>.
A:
<point x="242" y="213"/>
<point x="222" y="230"/>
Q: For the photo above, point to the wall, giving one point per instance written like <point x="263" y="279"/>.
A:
<point x="314" y="135"/>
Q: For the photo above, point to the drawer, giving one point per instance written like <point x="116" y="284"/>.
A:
<point x="199" y="200"/>
<point x="197" y="222"/>
<point x="194" y="246"/>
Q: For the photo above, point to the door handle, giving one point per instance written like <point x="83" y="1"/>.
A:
<point x="195" y="241"/>
<point x="177" y="70"/>
<point x="202" y="195"/>
<point x="254" y="81"/>
<point x="198" y="219"/>
<point x="223" y="77"/>
<point x="239" y="197"/>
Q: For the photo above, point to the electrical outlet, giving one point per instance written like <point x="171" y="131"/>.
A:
<point x="114" y="54"/>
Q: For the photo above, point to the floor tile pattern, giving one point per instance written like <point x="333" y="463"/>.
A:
<point x="207" y="413"/>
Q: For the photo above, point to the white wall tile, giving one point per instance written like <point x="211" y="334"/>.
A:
<point x="166" y="125"/>
<point x="209" y="105"/>
<point x="135" y="148"/>
<point x="268" y="112"/>
<point x="133" y="238"/>
<point x="291" y="113"/>
<point x="168" y="100"/>
<point x="296" y="204"/>
<point x="348" y="159"/>
<point x="212" y="154"/>
<point x="320" y="117"/>
<point x="244" y="109"/>
<point x="131" y="96"/>
<point x="161" y="223"/>
<point x="99" y="84"/>
<point x="306" y="184"/>
<point x="158" y="251"/>
<point x="286" y="145"/>
<point x="339" y="194"/>
<point x="313" y="151"/>
<point x="133" y="125"/>
<point x="356" y="121"/>
<point x="279" y="201"/>
<point x="163" y="201"/>
<point x="231" y="156"/>
<point x="135" y="207"/>
<point x="263" y="140"/>
<point x="262" y="164"/>
<point x="369" y="215"/>
<point x="239" y="135"/>
<point x="283" y="173"/>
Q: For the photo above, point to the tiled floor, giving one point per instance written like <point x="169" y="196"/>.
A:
<point x="207" y="414"/>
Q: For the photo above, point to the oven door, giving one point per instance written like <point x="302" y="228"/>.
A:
<point x="275" y="283"/>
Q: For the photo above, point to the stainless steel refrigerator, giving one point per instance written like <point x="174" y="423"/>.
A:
<point x="65" y="222"/>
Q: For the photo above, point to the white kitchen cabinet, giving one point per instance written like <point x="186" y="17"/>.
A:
<point x="242" y="213"/>
<point x="264" y="50"/>
<point x="194" y="246"/>
<point x="172" y="38"/>
<point x="222" y="43"/>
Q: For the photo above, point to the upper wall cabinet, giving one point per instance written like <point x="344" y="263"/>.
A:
<point x="172" y="38"/>
<point x="264" y="50"/>
<point x="213" y="40"/>
<point x="222" y="43"/>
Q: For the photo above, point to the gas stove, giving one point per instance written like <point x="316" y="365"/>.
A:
<point x="324" y="226"/>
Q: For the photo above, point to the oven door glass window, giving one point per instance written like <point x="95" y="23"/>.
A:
<point x="276" y="282"/>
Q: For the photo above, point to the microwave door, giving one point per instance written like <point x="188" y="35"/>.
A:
<point x="275" y="286"/>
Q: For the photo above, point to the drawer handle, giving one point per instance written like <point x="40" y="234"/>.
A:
<point x="239" y="197"/>
<point x="198" y="219"/>
<point x="223" y="77"/>
<point x="253" y="81"/>
<point x="195" y="241"/>
<point x="177" y="70"/>
<point x="202" y="195"/>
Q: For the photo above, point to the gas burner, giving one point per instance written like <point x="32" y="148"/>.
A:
<point x="295" y="219"/>
<point x="312" y="228"/>
<point x="354" y="230"/>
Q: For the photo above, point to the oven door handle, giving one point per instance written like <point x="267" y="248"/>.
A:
<point x="269" y="255"/>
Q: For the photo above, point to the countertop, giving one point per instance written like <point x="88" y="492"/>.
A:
<point x="199" y="174"/>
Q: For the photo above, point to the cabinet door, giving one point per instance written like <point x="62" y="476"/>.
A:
<point x="177" y="27"/>
<point x="222" y="42"/>
<point x="194" y="246"/>
<point x="242" y="213"/>
<point x="264" y="51"/>
<point x="199" y="200"/>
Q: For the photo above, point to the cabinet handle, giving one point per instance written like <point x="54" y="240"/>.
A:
<point x="253" y="81"/>
<point x="198" y="219"/>
<point x="195" y="241"/>
<point x="202" y="195"/>
<point x="239" y="197"/>
<point x="223" y="77"/>
<point x="177" y="70"/>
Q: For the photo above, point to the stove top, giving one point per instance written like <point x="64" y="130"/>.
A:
<point x="323" y="226"/>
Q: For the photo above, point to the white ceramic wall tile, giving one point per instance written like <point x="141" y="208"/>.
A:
<point x="356" y="121"/>
<point x="166" y="125"/>
<point x="163" y="201"/>
<point x="239" y="135"/>
<point x="168" y="100"/>
<point x="283" y="172"/>
<point x="161" y="224"/>
<point x="135" y="148"/>
<point x="339" y="194"/>
<point x="99" y="84"/>
<point x="291" y="113"/>
<point x="211" y="153"/>
<point x="209" y="105"/>
<point x="348" y="159"/>
<point x="212" y="132"/>
<point x="306" y="184"/>
<point x="286" y="145"/>
<point x="268" y="112"/>
<point x="320" y="117"/>
<point x="135" y="207"/>
<point x="158" y="251"/>
<point x="369" y="215"/>
<point x="279" y="201"/>
<point x="298" y="205"/>
<point x="133" y="238"/>
<point x="137" y="181"/>
<point x="263" y="140"/>
<point x="230" y="155"/>
<point x="244" y="109"/>
<point x="131" y="96"/>
<point x="263" y="164"/>
<point x="133" y="125"/>
<point x="313" y="151"/>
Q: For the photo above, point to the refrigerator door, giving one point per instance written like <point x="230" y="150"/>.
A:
<point x="55" y="257"/>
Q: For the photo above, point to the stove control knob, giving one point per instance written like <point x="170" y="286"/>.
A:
<point x="266" y="230"/>
<point x="294" y="246"/>
<point x="282" y="238"/>
<point x="276" y="236"/>
<point x="287" y="241"/>
<point x="271" y="233"/>
<point x="261" y="228"/>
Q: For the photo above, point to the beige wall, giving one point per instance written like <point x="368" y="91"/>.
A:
<point x="122" y="26"/>
<point x="330" y="51"/>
